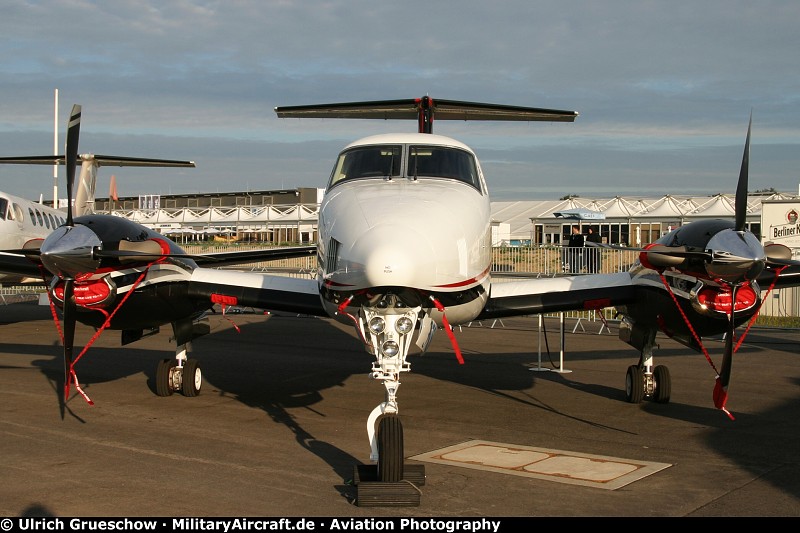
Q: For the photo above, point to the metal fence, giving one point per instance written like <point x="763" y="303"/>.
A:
<point x="510" y="262"/>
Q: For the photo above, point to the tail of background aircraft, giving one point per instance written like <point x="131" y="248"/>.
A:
<point x="84" y="192"/>
<point x="84" y="195"/>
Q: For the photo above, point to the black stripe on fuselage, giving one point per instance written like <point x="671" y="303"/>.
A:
<point x="412" y="297"/>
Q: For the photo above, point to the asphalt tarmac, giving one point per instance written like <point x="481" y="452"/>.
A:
<point x="281" y="422"/>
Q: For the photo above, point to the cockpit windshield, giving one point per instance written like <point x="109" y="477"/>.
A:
<point x="442" y="162"/>
<point x="3" y="208"/>
<point x="368" y="162"/>
<point x="408" y="161"/>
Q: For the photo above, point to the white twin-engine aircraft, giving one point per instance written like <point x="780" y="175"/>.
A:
<point x="23" y="223"/>
<point x="404" y="250"/>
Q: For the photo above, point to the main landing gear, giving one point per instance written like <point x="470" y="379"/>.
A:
<point x="180" y="374"/>
<point x="643" y="381"/>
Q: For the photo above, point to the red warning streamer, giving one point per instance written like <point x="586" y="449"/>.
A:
<point x="449" y="330"/>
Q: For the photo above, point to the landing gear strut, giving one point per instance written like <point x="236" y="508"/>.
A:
<point x="388" y="329"/>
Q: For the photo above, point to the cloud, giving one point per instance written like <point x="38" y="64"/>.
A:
<point x="664" y="88"/>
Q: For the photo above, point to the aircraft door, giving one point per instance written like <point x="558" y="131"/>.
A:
<point x="14" y="212"/>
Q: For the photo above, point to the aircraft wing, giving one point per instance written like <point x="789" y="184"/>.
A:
<point x="788" y="277"/>
<point x="15" y="265"/>
<point x="251" y="289"/>
<point x="249" y="256"/>
<point x="408" y="109"/>
<point x="564" y="293"/>
<point x="11" y="263"/>
<point x="99" y="160"/>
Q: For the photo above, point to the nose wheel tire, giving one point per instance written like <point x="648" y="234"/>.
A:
<point x="390" y="449"/>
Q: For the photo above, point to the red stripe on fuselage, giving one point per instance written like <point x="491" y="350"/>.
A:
<point x="464" y="283"/>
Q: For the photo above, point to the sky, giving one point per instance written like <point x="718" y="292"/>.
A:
<point x="664" y="88"/>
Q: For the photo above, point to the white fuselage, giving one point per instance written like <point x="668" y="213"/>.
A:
<point x="414" y="230"/>
<point x="23" y="221"/>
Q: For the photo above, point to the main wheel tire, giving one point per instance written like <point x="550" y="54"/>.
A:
<point x="390" y="449"/>
<point x="164" y="377"/>
<point x="634" y="384"/>
<point x="663" y="384"/>
<point x="192" y="378"/>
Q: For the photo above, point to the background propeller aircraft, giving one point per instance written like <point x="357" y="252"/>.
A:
<point x="94" y="263"/>
<point x="700" y="280"/>
<point x="404" y="249"/>
<point x="25" y="224"/>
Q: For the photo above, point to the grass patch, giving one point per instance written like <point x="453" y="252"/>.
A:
<point x="778" y="321"/>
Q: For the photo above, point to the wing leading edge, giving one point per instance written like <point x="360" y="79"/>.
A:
<point x="567" y="293"/>
<point x="264" y="291"/>
<point x="249" y="256"/>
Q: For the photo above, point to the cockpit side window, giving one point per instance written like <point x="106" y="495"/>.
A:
<point x="443" y="162"/>
<point x="379" y="161"/>
<point x="3" y="208"/>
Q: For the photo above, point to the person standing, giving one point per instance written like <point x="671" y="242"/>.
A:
<point x="593" y="252"/>
<point x="575" y="252"/>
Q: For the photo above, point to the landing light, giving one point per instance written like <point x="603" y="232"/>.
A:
<point x="403" y="325"/>
<point x="390" y="348"/>
<point x="377" y="325"/>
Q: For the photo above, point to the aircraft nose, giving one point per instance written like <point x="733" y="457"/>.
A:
<point x="382" y="262"/>
<point x="383" y="266"/>
<point x="68" y="251"/>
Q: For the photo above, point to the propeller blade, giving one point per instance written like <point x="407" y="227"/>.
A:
<point x="662" y="250"/>
<point x="71" y="154"/>
<point x="721" y="387"/>
<point x="138" y="251"/>
<point x="145" y="250"/>
<point x="31" y="249"/>
<point x="69" y="333"/>
<point x="741" y="188"/>
<point x="779" y="255"/>
<point x="71" y="159"/>
<point x="658" y="255"/>
<point x="133" y="256"/>
<point x="23" y="251"/>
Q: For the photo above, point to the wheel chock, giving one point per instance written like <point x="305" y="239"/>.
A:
<point x="387" y="494"/>
<point x="413" y="473"/>
<point x="374" y="493"/>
